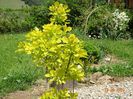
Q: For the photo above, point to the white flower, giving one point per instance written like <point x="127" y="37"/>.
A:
<point x="120" y="20"/>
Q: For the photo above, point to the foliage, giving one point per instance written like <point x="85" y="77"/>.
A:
<point x="22" y="20"/>
<point x="95" y="53"/>
<point x="58" y="13"/>
<point x="52" y="47"/>
<point x="95" y="21"/>
<point x="38" y="16"/>
<point x="13" y="21"/>
<point x="77" y="7"/>
<point x="106" y="22"/>
<point x="61" y="94"/>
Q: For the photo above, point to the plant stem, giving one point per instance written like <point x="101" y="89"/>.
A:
<point x="69" y="61"/>
<point x="73" y="87"/>
<point x="86" y="22"/>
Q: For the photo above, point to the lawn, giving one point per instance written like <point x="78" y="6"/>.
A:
<point x="16" y="70"/>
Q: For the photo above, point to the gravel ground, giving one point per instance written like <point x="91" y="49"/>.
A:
<point x="120" y="89"/>
<point x="116" y="90"/>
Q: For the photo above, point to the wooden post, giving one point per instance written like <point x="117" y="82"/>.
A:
<point x="130" y="4"/>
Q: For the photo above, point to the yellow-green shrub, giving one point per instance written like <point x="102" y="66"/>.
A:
<point x="55" y="49"/>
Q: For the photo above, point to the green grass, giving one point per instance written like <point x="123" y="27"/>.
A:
<point x="16" y="69"/>
<point x="123" y="49"/>
<point x="118" y="70"/>
<point x="13" y="4"/>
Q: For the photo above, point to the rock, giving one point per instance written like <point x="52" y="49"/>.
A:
<point x="94" y="77"/>
<point x="92" y="82"/>
<point x="107" y="59"/>
<point x="105" y="79"/>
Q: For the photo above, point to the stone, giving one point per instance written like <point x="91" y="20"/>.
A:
<point x="94" y="77"/>
<point x="105" y="79"/>
<point x="92" y="82"/>
<point x="107" y="59"/>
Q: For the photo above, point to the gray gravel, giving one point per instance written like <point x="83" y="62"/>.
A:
<point x="116" y="90"/>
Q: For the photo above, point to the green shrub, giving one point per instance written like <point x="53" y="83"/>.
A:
<point x="27" y="18"/>
<point x="38" y="16"/>
<point x="106" y="21"/>
<point x="76" y="6"/>
<point x="13" y="20"/>
<point x="94" y="21"/>
<point x="22" y="20"/>
<point x="35" y="16"/>
<point x="95" y="53"/>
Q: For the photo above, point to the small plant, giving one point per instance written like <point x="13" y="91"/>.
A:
<point x="59" y="52"/>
